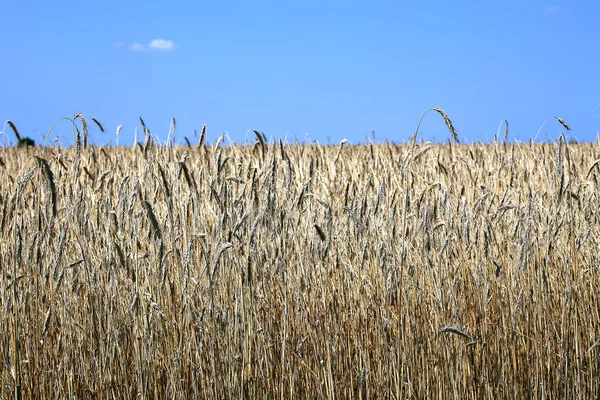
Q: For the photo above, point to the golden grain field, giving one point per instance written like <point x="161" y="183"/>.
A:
<point x="300" y="271"/>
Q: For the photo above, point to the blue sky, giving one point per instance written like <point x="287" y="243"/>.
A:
<point x="328" y="70"/>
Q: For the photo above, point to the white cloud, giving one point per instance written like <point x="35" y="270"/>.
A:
<point x="161" y="44"/>
<point x="551" y="9"/>
<point x="137" y="47"/>
<point x="154" y="45"/>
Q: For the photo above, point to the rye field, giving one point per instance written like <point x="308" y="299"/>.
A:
<point x="284" y="270"/>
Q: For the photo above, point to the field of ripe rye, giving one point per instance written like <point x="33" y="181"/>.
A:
<point x="302" y="271"/>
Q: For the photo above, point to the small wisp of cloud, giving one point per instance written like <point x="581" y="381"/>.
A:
<point x="553" y="9"/>
<point x="161" y="44"/>
<point x="154" y="45"/>
<point x="137" y="47"/>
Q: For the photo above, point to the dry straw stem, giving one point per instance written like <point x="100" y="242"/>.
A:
<point x="218" y="142"/>
<point x="202" y="136"/>
<point x="559" y="155"/>
<point x="164" y="180"/>
<point x="222" y="248"/>
<point x="50" y="181"/>
<point x="505" y="122"/>
<point x="456" y="331"/>
<point x="560" y="121"/>
<point x="153" y="220"/>
<point x="84" y="128"/>
<point x="73" y="124"/>
<point x="261" y="141"/>
<point x="592" y="347"/>
<point x="337" y="156"/>
<point x="14" y="129"/>
<point x="78" y="144"/>
<point x="592" y="168"/>
<point x="98" y="124"/>
<point x="563" y="123"/>
<point x="143" y="125"/>
<point x="448" y="123"/>
<point x="172" y="128"/>
<point x="320" y="232"/>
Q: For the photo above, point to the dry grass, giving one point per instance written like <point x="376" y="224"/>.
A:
<point x="274" y="270"/>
